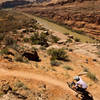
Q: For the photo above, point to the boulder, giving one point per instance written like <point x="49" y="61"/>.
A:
<point x="61" y="41"/>
<point x="12" y="52"/>
<point x="31" y="55"/>
<point x="71" y="36"/>
<point x="46" y="32"/>
<point x="9" y="58"/>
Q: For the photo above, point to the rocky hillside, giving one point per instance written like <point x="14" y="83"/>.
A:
<point x="84" y="17"/>
<point x="36" y="63"/>
<point x="69" y="1"/>
<point x="13" y="3"/>
<point x="22" y="47"/>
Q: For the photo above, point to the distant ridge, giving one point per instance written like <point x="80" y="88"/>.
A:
<point x="14" y="3"/>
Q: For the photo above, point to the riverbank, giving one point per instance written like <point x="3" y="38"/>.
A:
<point x="61" y="29"/>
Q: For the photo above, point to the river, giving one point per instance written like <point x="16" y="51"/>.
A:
<point x="60" y="29"/>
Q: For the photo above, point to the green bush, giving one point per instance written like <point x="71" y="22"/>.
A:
<point x="54" y="38"/>
<point x="43" y="48"/>
<point x="92" y="76"/>
<point x="98" y="46"/>
<point x="39" y="39"/>
<point x="98" y="53"/>
<point x="66" y="33"/>
<point x="26" y="39"/>
<point x="35" y="38"/>
<point x="58" y="54"/>
<point x="68" y="67"/>
<point x="4" y="51"/>
<point x="69" y="40"/>
<point x="20" y="84"/>
<point x="77" y="40"/>
<point x="79" y="31"/>
<point x="86" y="69"/>
<point x="20" y="58"/>
<point x="10" y="41"/>
<point x="1" y="36"/>
<point x="54" y="63"/>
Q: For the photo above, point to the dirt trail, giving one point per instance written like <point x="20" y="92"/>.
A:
<point x="33" y="76"/>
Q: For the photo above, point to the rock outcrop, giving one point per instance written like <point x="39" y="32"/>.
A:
<point x="31" y="55"/>
<point x="82" y="16"/>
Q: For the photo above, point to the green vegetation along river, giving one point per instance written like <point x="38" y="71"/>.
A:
<point x="55" y="27"/>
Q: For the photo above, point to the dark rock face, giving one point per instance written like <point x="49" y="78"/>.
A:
<point x="40" y="1"/>
<point x="31" y="56"/>
<point x="10" y="4"/>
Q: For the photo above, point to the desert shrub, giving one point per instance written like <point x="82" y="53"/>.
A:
<point x="1" y="93"/>
<point x="15" y="46"/>
<point x="43" y="48"/>
<point x="34" y="48"/>
<point x="4" y="51"/>
<point x="10" y="17"/>
<point x="20" y="84"/>
<point x="20" y="58"/>
<point x="35" y="38"/>
<point x="1" y="36"/>
<point x="13" y="21"/>
<point x="26" y="39"/>
<point x="10" y="41"/>
<point x="58" y="54"/>
<point x="98" y="46"/>
<point x="66" y="33"/>
<point x="54" y="63"/>
<point x="77" y="40"/>
<point x="68" y="67"/>
<point x="92" y="76"/>
<point x="79" y="31"/>
<point x="15" y="31"/>
<point x="98" y="53"/>
<point x="53" y="69"/>
<point x="39" y="39"/>
<point x="54" y="39"/>
<point x="35" y="27"/>
<point x="69" y="40"/>
<point x="43" y="39"/>
<point x="85" y="69"/>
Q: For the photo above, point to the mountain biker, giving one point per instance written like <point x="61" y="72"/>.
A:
<point x="80" y="85"/>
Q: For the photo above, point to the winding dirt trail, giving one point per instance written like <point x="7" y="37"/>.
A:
<point x="38" y="77"/>
<point x="34" y="76"/>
